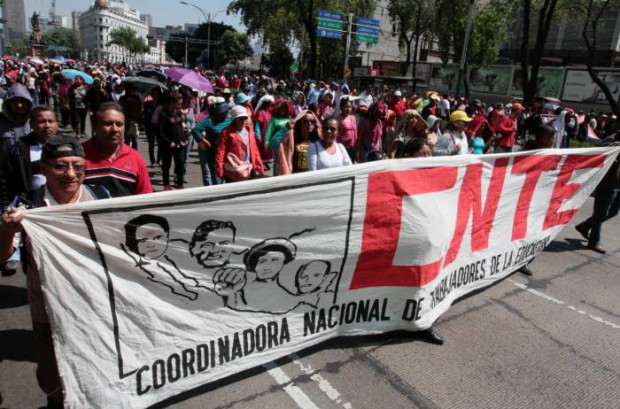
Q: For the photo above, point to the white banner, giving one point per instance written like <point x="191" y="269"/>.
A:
<point x="154" y="295"/>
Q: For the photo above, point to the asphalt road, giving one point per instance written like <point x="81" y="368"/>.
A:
<point x="549" y="341"/>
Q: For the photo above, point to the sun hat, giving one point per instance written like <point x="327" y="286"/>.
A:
<point x="238" y="112"/>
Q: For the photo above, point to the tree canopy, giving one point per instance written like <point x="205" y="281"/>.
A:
<point x="234" y="47"/>
<point x="280" y="22"/>
<point x="128" y="39"/>
<point x="198" y="52"/>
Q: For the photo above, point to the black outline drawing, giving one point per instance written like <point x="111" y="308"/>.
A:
<point x="123" y="373"/>
<point x="131" y="248"/>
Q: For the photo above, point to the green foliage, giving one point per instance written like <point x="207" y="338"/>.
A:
<point x="234" y="47"/>
<point x="412" y="19"/>
<point x="19" y="46"/>
<point x="63" y="38"/>
<point x="490" y="28"/>
<point x="128" y="39"/>
<point x="278" y="60"/>
<point x="198" y="52"/>
<point x="281" y="22"/>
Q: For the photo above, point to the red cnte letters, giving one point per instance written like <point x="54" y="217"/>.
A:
<point x="533" y="166"/>
<point x="564" y="190"/>
<point x="470" y="203"/>
<point x="384" y="206"/>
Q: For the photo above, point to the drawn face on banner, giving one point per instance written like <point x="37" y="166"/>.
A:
<point x="310" y="276"/>
<point x="152" y="240"/>
<point x="216" y="249"/>
<point x="269" y="265"/>
<point x="147" y="236"/>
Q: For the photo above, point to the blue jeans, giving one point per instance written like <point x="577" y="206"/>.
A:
<point x="606" y="206"/>
<point x="188" y="149"/>
<point x="207" y="167"/>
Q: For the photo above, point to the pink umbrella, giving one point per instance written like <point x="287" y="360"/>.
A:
<point x="190" y="79"/>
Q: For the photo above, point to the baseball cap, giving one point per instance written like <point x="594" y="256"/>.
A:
<point x="459" y="115"/>
<point x="61" y="146"/>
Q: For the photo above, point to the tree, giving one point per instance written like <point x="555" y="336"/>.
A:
<point x="198" y="52"/>
<point x="297" y="16"/>
<point x="532" y="58"/>
<point x="490" y="25"/>
<point x="127" y="38"/>
<point x="589" y="35"/>
<point x="62" y="39"/>
<point x="411" y="19"/>
<point x="20" y="46"/>
<point x="234" y="47"/>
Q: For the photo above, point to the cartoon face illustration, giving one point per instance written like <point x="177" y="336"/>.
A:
<point x="216" y="249"/>
<point x="310" y="276"/>
<point x="152" y="240"/>
<point x="269" y="265"/>
<point x="269" y="257"/>
<point x="212" y="243"/>
<point x="147" y="236"/>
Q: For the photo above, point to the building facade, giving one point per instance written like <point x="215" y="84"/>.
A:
<point x="14" y="16"/>
<point x="99" y="21"/>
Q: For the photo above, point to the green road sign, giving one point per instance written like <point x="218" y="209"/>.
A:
<point x="363" y="38"/>
<point x="333" y="25"/>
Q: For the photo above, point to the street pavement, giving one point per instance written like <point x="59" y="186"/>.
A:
<point x="547" y="341"/>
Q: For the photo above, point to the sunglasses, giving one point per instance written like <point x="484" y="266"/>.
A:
<point x="63" y="168"/>
<point x="307" y="122"/>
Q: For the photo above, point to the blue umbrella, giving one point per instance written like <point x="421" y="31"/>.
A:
<point x="75" y="73"/>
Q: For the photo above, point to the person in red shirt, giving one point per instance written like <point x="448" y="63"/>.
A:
<point x="397" y="105"/>
<point x="506" y="129"/>
<point x="109" y="162"/>
<point x="238" y="139"/>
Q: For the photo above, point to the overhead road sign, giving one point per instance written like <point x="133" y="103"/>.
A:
<point x="330" y="15"/>
<point x="371" y="22"/>
<point x="365" y="38"/>
<point x="368" y="31"/>
<point x="329" y="33"/>
<point x="329" y="24"/>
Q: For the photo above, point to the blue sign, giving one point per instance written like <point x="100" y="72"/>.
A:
<point x="321" y="32"/>
<point x="368" y="22"/>
<point x="368" y="30"/>
<point x="331" y="15"/>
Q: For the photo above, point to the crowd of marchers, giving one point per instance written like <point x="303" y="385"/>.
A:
<point x="241" y="126"/>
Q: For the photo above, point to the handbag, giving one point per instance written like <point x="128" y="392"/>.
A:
<point x="236" y="169"/>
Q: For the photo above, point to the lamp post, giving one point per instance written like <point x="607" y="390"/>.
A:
<point x="208" y="19"/>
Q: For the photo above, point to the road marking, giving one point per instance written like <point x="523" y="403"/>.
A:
<point x="558" y="302"/>
<point x="331" y="392"/>
<point x="301" y="399"/>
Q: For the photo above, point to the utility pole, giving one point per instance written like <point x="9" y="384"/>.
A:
<point x="346" y="55"/>
<point x="186" y="63"/>
<point x="470" y="19"/>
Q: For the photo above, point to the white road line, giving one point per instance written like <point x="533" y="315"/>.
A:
<point x="301" y="399"/>
<point x="331" y="392"/>
<point x="570" y="307"/>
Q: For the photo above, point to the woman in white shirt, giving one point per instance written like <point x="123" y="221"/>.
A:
<point x="327" y="153"/>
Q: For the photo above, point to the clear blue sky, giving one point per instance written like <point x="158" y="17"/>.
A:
<point x="164" y="12"/>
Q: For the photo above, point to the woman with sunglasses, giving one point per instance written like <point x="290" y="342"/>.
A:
<point x="293" y="151"/>
<point x="327" y="153"/>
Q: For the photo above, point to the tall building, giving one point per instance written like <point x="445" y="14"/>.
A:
<point x="14" y="14"/>
<point x="100" y="20"/>
<point x="146" y="19"/>
<point x="75" y="20"/>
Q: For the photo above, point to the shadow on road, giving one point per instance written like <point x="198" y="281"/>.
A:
<point x="12" y="297"/>
<point x="18" y="345"/>
<point x="566" y="245"/>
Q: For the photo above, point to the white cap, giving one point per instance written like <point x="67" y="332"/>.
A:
<point x="397" y="93"/>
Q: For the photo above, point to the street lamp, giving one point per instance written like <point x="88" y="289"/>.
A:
<point x="208" y="19"/>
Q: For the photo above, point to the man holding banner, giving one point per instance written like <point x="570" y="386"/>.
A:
<point x="63" y="165"/>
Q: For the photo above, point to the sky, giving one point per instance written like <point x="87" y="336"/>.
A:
<point x="163" y="12"/>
